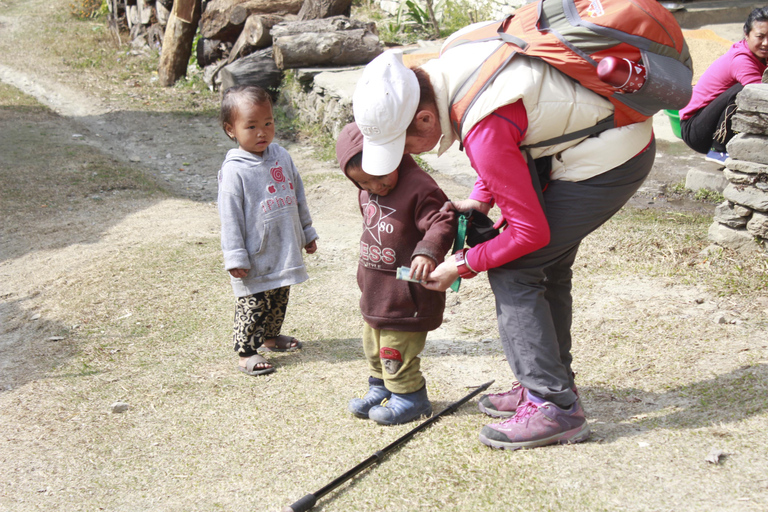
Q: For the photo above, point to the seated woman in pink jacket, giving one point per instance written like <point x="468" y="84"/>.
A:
<point x="705" y="122"/>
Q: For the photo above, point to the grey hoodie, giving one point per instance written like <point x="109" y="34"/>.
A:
<point x="265" y="222"/>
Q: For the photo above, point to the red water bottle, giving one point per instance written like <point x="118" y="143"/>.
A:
<point x="621" y="73"/>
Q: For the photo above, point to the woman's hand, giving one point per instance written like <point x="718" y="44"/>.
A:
<point x="466" y="205"/>
<point x="443" y="276"/>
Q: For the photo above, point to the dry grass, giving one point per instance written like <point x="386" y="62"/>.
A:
<point x="132" y="282"/>
<point x="145" y="313"/>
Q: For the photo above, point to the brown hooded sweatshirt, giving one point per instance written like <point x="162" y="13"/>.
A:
<point x="405" y="223"/>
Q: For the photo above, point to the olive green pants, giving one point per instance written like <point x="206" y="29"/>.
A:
<point x="393" y="356"/>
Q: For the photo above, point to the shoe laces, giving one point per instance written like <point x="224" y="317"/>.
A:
<point x="524" y="412"/>
<point x="515" y="387"/>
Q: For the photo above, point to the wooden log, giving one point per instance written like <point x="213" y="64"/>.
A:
<point x="345" y="48"/>
<point x="211" y="75"/>
<point x="317" y="9"/>
<point x="155" y="35"/>
<point x="210" y="51"/>
<point x="145" y="11"/>
<point x="131" y="15"/>
<point x="177" y="41"/>
<point x="224" y="19"/>
<point x="333" y="24"/>
<point x="255" y="34"/>
<point x="188" y="11"/>
<point x="257" y="68"/>
<point x="138" y="34"/>
<point x="162" y="13"/>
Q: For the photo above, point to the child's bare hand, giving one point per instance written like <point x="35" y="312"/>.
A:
<point x="238" y="273"/>
<point x="421" y="267"/>
<point x="311" y="247"/>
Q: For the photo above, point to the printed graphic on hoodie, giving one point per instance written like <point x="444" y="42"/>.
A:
<point x="278" y="188"/>
<point x="372" y="254"/>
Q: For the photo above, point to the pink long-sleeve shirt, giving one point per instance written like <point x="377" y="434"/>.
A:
<point x="737" y="65"/>
<point x="493" y="148"/>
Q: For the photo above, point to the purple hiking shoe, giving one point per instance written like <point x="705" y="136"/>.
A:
<point x="503" y="405"/>
<point x="537" y="425"/>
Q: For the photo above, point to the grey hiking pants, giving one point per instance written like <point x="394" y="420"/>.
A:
<point x="533" y="293"/>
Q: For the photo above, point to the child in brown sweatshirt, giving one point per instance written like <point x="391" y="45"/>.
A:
<point x="402" y="226"/>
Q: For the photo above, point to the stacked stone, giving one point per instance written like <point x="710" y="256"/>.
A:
<point x="323" y="99"/>
<point x="741" y="222"/>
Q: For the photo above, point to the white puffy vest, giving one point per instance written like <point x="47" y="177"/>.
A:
<point x="555" y="105"/>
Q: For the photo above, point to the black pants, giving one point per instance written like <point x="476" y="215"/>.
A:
<point x="710" y="127"/>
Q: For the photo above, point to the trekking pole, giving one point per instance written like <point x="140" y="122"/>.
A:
<point x="309" y="501"/>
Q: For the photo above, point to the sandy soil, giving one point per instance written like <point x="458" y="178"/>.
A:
<point x="182" y="154"/>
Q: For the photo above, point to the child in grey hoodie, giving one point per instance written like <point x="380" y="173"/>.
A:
<point x="265" y="223"/>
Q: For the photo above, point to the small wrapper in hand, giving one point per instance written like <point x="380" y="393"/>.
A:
<point x="403" y="273"/>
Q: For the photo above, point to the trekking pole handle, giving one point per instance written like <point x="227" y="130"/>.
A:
<point x="303" y="504"/>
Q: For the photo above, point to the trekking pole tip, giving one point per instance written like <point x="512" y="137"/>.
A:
<point x="487" y="384"/>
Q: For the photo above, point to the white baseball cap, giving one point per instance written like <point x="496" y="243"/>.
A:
<point x="384" y="104"/>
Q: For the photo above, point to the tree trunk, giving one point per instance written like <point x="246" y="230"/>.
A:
<point x="317" y="9"/>
<point x="346" y="48"/>
<point x="256" y="34"/>
<point x="224" y="19"/>
<point x="177" y="41"/>
<point x="334" y="24"/>
<point x="257" y="68"/>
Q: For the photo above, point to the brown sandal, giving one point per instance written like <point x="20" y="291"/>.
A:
<point x="283" y="344"/>
<point x="251" y="364"/>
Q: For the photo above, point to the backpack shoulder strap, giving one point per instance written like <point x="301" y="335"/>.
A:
<point x="601" y="126"/>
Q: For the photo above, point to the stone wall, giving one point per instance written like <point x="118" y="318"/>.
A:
<point x="324" y="97"/>
<point x="741" y="222"/>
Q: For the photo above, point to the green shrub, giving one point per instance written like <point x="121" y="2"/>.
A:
<point x="459" y="14"/>
<point x="87" y="9"/>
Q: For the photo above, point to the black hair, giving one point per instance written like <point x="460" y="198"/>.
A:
<point x="757" y="14"/>
<point x="426" y="91"/>
<point x="355" y="162"/>
<point x="427" y="98"/>
<point x="236" y="96"/>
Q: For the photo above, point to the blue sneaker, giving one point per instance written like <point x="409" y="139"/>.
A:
<point x="376" y="394"/>
<point x="718" y="157"/>
<point x="402" y="408"/>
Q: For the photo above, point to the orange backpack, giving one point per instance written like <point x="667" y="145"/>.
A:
<point x="574" y="36"/>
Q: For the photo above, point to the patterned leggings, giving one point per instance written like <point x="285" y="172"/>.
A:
<point x="258" y="317"/>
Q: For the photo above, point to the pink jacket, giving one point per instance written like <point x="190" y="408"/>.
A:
<point x="493" y="148"/>
<point x="737" y="65"/>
